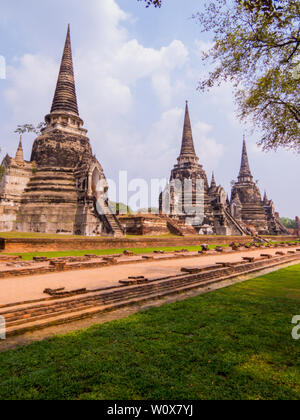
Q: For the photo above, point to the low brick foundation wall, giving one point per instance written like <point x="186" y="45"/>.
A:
<point x="85" y="303"/>
<point x="63" y="244"/>
<point x="144" y="225"/>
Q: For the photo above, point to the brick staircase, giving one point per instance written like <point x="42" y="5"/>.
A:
<point x="26" y="316"/>
<point x="231" y="220"/>
<point x="115" y="225"/>
<point x="282" y="228"/>
<point x="177" y="228"/>
<point x="109" y="218"/>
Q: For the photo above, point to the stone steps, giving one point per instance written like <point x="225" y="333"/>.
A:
<point x="51" y="181"/>
<point x="50" y="176"/>
<point x="52" y="197"/>
<point x="58" y="311"/>
<point x="114" y="224"/>
<point x="51" y="188"/>
<point x="177" y="228"/>
<point x="59" y="181"/>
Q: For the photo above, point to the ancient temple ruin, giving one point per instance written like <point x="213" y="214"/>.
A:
<point x="63" y="188"/>
<point x="247" y="205"/>
<point x="212" y="212"/>
<point x="190" y="199"/>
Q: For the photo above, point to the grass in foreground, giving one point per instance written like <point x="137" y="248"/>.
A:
<point x="233" y="343"/>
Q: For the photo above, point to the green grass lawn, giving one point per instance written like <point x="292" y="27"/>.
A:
<point x="234" y="343"/>
<point x="73" y="253"/>
<point x="29" y="255"/>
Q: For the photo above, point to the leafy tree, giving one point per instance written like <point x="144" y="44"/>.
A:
<point x="30" y="128"/>
<point x="120" y="208"/>
<point x="256" y="47"/>
<point x="289" y="223"/>
<point x="272" y="9"/>
<point x="155" y="3"/>
<point x="2" y="172"/>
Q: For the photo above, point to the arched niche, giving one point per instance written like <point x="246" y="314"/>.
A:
<point x="99" y="186"/>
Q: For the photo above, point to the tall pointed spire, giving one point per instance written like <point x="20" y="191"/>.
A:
<point x="213" y="181"/>
<point x="65" y="94"/>
<point x="266" y="200"/>
<point x="187" y="148"/>
<point x="19" y="154"/>
<point x="245" y="172"/>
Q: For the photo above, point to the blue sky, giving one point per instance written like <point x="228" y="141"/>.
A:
<point x="135" y="68"/>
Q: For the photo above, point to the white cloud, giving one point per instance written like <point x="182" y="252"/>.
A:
<point x="108" y="64"/>
<point x="165" y="134"/>
<point x="253" y="148"/>
<point x="32" y="81"/>
<point x="123" y="85"/>
<point x="209" y="151"/>
<point x="154" y="155"/>
<point x="164" y="139"/>
<point x="202" y="46"/>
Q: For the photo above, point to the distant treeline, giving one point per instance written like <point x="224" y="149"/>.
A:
<point x="289" y="223"/>
<point x="124" y="209"/>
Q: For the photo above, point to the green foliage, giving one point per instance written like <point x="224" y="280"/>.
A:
<point x="155" y="3"/>
<point x="289" y="223"/>
<point x="256" y="47"/>
<point x="2" y="172"/>
<point x="274" y="9"/>
<point x="55" y="254"/>
<point x="120" y="208"/>
<point x="30" y="128"/>
<point x="232" y="344"/>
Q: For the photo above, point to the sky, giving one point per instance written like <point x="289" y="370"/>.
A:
<point x="134" y="70"/>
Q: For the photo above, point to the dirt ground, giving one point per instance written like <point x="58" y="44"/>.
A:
<point x="31" y="287"/>
<point x="20" y="289"/>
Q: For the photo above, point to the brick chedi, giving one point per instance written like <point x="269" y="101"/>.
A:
<point x="66" y="190"/>
<point x="188" y="170"/>
<point x="246" y="198"/>
<point x="247" y="205"/>
<point x="187" y="174"/>
<point x="14" y="179"/>
<point x="275" y="227"/>
<point x="189" y="190"/>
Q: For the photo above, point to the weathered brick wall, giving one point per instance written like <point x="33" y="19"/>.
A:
<point x="64" y="244"/>
<point x="144" y="225"/>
